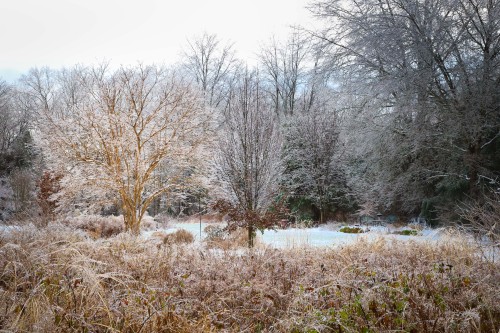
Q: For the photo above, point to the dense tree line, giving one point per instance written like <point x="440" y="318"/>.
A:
<point x="425" y="76"/>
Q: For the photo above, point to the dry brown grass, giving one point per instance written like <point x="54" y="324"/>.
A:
<point x="60" y="280"/>
<point x="96" y="226"/>
<point x="219" y="238"/>
<point x="180" y="236"/>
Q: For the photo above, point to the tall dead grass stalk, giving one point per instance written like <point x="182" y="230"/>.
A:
<point x="61" y="280"/>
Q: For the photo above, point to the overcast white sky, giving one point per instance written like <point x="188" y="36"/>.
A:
<point x="59" y="33"/>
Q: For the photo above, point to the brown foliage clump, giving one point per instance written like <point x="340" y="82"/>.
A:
<point x="97" y="226"/>
<point x="241" y="218"/>
<point x="59" y="280"/>
<point x="251" y="219"/>
<point x="48" y="185"/>
<point x="180" y="236"/>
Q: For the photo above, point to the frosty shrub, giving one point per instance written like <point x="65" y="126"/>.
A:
<point x="304" y="224"/>
<point x="180" y="236"/>
<point x="215" y="233"/>
<point x="162" y="219"/>
<point x="224" y="238"/>
<point x="148" y="223"/>
<point x="97" y="226"/>
<point x="407" y="232"/>
<point x="49" y="184"/>
<point x="239" y="238"/>
<point x="483" y="218"/>
<point x="252" y="220"/>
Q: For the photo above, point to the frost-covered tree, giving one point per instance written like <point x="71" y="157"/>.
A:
<point x="428" y="73"/>
<point x="212" y="65"/>
<point x="313" y="154"/>
<point x="112" y="130"/>
<point x="284" y="69"/>
<point x="15" y="137"/>
<point x="248" y="163"/>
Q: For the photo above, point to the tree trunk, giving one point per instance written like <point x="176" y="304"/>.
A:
<point x="132" y="221"/>
<point x="250" y="235"/>
<point x="135" y="227"/>
<point x="472" y="161"/>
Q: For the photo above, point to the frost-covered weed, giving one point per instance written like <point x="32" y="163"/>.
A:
<point x="219" y="237"/>
<point x="60" y="280"/>
<point x="96" y="225"/>
<point x="99" y="226"/>
<point x="180" y="236"/>
<point x="149" y="223"/>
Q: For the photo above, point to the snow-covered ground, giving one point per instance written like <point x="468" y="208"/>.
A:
<point x="320" y="236"/>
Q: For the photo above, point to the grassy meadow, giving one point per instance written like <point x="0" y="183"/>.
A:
<point x="59" y="279"/>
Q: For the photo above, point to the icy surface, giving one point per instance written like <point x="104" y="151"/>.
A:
<point x="322" y="236"/>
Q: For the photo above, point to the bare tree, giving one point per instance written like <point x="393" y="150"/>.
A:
<point x="8" y="129"/>
<point x="14" y="131"/>
<point x="284" y="69"/>
<point x="248" y="160"/>
<point x="39" y="89"/>
<point x="113" y="129"/>
<point x="212" y="65"/>
<point x="21" y="182"/>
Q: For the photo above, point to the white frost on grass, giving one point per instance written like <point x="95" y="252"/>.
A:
<point x="7" y="228"/>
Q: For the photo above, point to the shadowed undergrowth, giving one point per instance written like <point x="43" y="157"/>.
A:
<point x="59" y="280"/>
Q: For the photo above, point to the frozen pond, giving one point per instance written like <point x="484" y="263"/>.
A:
<point x="320" y="236"/>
